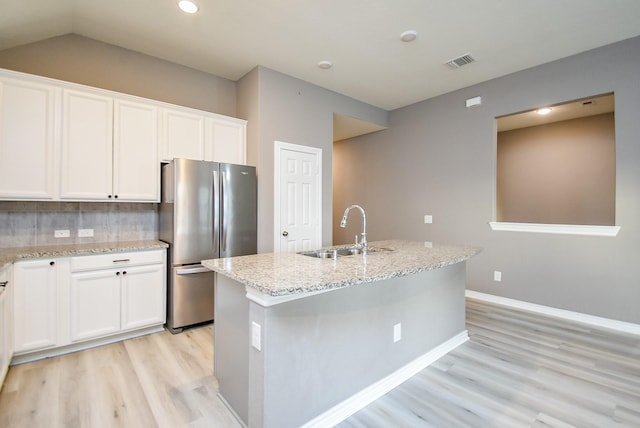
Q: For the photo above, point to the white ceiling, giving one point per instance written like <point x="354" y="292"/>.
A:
<point x="228" y="38"/>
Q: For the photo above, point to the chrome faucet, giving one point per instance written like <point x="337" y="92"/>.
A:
<point x="343" y="224"/>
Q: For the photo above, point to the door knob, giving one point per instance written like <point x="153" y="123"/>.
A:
<point x="285" y="233"/>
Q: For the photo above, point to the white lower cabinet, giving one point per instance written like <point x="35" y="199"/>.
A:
<point x="66" y="302"/>
<point x="143" y="297"/>
<point x="111" y="300"/>
<point x="95" y="304"/>
<point x="35" y="305"/>
<point x="6" y="322"/>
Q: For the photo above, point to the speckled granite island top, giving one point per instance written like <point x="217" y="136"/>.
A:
<point x="10" y="255"/>
<point x="281" y="274"/>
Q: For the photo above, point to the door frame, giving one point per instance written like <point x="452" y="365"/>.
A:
<point x="278" y="148"/>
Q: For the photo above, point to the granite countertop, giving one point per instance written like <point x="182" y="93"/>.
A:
<point x="281" y="274"/>
<point x="10" y="255"/>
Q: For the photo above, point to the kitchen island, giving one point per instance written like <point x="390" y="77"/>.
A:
<point x="302" y="340"/>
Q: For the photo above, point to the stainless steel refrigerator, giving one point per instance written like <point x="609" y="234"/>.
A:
<point x="208" y="210"/>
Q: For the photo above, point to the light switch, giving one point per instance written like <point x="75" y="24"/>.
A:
<point x="428" y="219"/>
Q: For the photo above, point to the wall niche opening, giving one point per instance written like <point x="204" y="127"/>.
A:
<point x="558" y="168"/>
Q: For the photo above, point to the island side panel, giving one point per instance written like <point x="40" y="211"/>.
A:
<point x="320" y="350"/>
<point x="231" y="344"/>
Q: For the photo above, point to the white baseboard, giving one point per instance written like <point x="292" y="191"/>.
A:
<point x="611" y="324"/>
<point x="361" y="399"/>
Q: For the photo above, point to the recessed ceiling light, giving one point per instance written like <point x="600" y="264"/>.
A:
<point x="543" y="111"/>
<point x="409" y="36"/>
<point x="325" y="65"/>
<point x="188" y="6"/>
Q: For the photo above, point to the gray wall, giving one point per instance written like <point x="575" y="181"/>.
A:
<point x="89" y="62"/>
<point x="282" y="108"/>
<point x="438" y="158"/>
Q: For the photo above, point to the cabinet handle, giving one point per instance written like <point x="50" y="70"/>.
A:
<point x="4" y="283"/>
<point x="115" y="196"/>
<point x="118" y="273"/>
<point x="109" y="196"/>
<point x="122" y="261"/>
<point x="124" y="273"/>
<point x="52" y="263"/>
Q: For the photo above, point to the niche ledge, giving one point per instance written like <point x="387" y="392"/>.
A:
<point x="562" y="229"/>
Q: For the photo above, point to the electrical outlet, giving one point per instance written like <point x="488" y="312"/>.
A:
<point x="83" y="233"/>
<point x="61" y="233"/>
<point x="397" y="332"/>
<point x="497" y="276"/>
<point x="428" y="244"/>
<point x="428" y="219"/>
<point x="256" y="335"/>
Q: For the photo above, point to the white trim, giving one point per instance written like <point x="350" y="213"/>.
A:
<point x="564" y="229"/>
<point x="608" y="323"/>
<point x="361" y="399"/>
<point x="278" y="146"/>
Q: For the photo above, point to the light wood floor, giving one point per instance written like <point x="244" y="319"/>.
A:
<point x="159" y="380"/>
<point x="518" y="370"/>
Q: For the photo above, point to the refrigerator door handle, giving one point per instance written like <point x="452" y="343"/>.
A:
<point x="216" y="213"/>
<point x="194" y="269"/>
<point x="223" y="227"/>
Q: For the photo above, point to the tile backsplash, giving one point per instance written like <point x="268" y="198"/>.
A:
<point x="25" y="224"/>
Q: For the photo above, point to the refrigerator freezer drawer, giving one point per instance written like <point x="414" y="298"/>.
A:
<point x="191" y="301"/>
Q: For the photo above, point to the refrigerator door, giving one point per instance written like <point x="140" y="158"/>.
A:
<point x="190" y="297"/>
<point x="195" y="228"/>
<point x="238" y="210"/>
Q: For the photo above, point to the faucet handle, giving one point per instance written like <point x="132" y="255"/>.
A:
<point x="357" y="241"/>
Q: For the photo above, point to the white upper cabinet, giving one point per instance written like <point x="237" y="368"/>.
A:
<point x="192" y="134"/>
<point x="67" y="142"/>
<point x="28" y="143"/>
<point x="87" y="139"/>
<point x="183" y="135"/>
<point x="109" y="149"/>
<point x="227" y="141"/>
<point x="136" y="173"/>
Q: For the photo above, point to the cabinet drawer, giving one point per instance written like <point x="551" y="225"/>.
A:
<point x="106" y="261"/>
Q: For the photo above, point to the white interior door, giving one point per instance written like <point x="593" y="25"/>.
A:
<point x="298" y="198"/>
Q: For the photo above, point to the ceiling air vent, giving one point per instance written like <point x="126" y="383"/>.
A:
<point x="460" y="61"/>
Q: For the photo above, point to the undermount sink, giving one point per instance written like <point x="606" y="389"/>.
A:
<point x="339" y="252"/>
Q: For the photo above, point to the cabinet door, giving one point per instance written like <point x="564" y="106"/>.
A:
<point x="182" y="135"/>
<point x="143" y="296"/>
<point x="228" y="141"/>
<point x="87" y="141"/>
<point x="35" y="305"/>
<point x="136" y="169"/>
<point x="6" y="326"/>
<point x="27" y="140"/>
<point x="95" y="304"/>
<point x="4" y="349"/>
